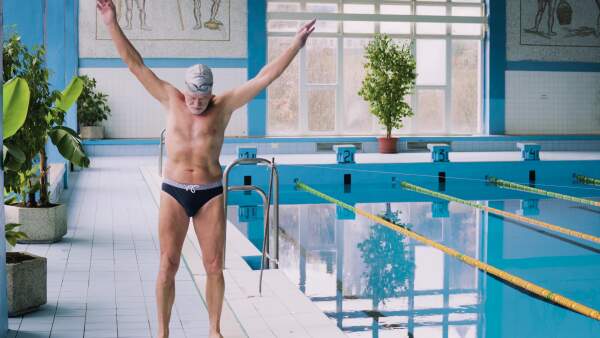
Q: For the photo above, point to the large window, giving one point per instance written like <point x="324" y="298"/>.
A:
<point x="317" y="94"/>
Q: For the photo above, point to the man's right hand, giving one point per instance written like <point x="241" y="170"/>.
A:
<point x="107" y="11"/>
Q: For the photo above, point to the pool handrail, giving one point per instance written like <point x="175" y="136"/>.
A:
<point x="275" y="187"/>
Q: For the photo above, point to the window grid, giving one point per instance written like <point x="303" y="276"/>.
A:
<point x="377" y="18"/>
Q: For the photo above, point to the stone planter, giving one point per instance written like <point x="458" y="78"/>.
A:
<point x="42" y="225"/>
<point x="26" y="276"/>
<point x="91" y="132"/>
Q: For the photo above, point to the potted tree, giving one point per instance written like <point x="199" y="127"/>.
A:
<point x="92" y="108"/>
<point x="25" y="273"/>
<point x="390" y="76"/>
<point x="25" y="160"/>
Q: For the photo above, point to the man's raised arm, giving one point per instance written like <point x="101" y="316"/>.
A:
<point x="241" y="95"/>
<point x="155" y="86"/>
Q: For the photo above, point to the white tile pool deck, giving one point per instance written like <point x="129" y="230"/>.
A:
<point x="101" y="275"/>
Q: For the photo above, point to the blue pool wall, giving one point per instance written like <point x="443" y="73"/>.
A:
<point x="464" y="179"/>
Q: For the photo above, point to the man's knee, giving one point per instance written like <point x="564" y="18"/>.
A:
<point x="213" y="266"/>
<point x="168" y="267"/>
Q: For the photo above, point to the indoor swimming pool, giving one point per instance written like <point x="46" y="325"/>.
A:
<point x="374" y="282"/>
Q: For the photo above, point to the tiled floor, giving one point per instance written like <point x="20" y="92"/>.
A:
<point x="101" y="276"/>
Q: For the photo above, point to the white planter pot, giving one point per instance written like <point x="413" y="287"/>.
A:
<point x="91" y="132"/>
<point x="26" y="284"/>
<point x="42" y="225"/>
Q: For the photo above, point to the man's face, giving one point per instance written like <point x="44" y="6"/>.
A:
<point x="197" y="103"/>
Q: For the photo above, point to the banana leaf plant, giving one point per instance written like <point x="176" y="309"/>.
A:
<point x="12" y="235"/>
<point x="27" y="133"/>
<point x="15" y="103"/>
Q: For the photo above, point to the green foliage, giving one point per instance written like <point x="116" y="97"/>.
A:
<point x="92" y="106"/>
<point x="46" y="112"/>
<point x="12" y="235"/>
<point x="14" y="106"/>
<point x="70" y="94"/>
<point x="390" y="76"/>
<point x="15" y="159"/>
<point x="69" y="145"/>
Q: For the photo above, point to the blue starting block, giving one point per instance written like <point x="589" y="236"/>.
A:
<point x="530" y="207"/>
<point x="247" y="213"/>
<point x="439" y="209"/>
<point x="246" y="152"/>
<point x="439" y="152"/>
<point x="529" y="151"/>
<point x="343" y="213"/>
<point x="345" y="153"/>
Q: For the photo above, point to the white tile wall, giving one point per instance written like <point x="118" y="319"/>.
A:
<point x="136" y="114"/>
<point x="552" y="103"/>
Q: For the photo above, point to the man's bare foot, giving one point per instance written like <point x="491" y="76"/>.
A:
<point x="163" y="334"/>
<point x="214" y="334"/>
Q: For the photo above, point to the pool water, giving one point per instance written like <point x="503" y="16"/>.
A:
<point x="374" y="282"/>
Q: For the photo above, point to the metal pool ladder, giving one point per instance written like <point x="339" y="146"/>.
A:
<point x="266" y="257"/>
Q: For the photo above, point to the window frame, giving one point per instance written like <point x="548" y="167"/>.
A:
<point x="376" y="18"/>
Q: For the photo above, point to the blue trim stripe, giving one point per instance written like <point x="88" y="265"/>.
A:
<point x="257" y="58"/>
<point x="496" y="138"/>
<point x="497" y="66"/>
<point x="3" y="288"/>
<point x="117" y="141"/>
<point x="553" y="66"/>
<point x="165" y="62"/>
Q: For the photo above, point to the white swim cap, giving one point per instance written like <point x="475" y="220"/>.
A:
<point x="199" y="79"/>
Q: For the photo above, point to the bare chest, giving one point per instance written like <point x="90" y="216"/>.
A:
<point x="184" y="126"/>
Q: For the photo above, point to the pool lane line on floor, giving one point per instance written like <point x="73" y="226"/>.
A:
<point x="436" y="177"/>
<point x="542" y="224"/>
<point x="587" y="180"/>
<point x="520" y="187"/>
<point x="512" y="279"/>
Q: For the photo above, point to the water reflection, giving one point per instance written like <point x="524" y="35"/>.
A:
<point x="374" y="282"/>
<point x="388" y="267"/>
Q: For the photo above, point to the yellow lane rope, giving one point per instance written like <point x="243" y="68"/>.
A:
<point x="506" y="214"/>
<point x="520" y="187"/>
<point x="587" y="180"/>
<point x="399" y="173"/>
<point x="522" y="283"/>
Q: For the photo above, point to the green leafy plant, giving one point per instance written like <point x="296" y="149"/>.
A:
<point x="92" y="106"/>
<point x="25" y="146"/>
<point x="390" y="76"/>
<point x="15" y="104"/>
<point x="13" y="235"/>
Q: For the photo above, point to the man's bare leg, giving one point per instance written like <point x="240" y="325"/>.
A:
<point x="197" y="14"/>
<point x="172" y="228"/>
<point x="551" y="14"/>
<point x="141" y="4"/>
<point x="128" y="13"/>
<point x="598" y="19"/>
<point x="214" y="10"/>
<point x="209" y="224"/>
<point x="538" y="16"/>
